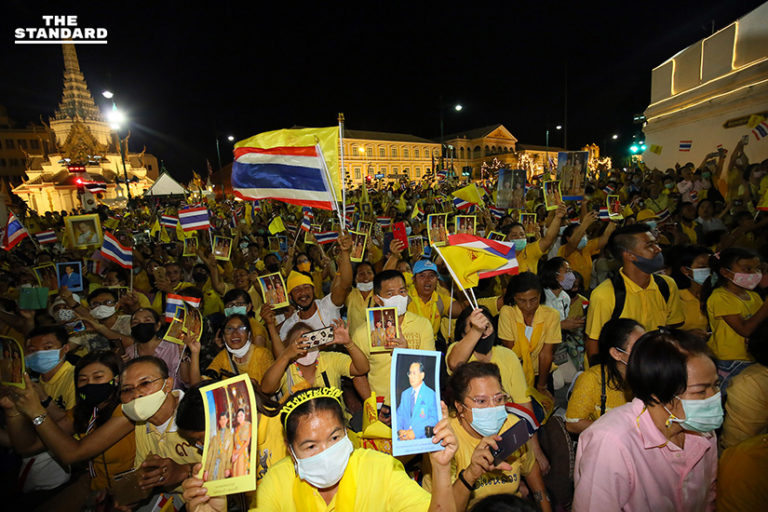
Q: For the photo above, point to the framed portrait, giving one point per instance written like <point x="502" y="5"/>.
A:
<point x="193" y="324"/>
<point x="190" y="246"/>
<point x="415" y="246"/>
<point x="528" y="220"/>
<point x="572" y="173"/>
<point x="552" y="196"/>
<point x="222" y="247"/>
<point x="273" y="290"/>
<point x="511" y="188"/>
<point x="613" y="204"/>
<point x="176" y="330"/>
<point x="229" y="454"/>
<point x="283" y="243"/>
<point x="495" y="235"/>
<point x="70" y="274"/>
<point x="383" y="328"/>
<point x="273" y="244"/>
<point x="415" y="398"/>
<point x="359" y="239"/>
<point x="363" y="226"/>
<point x="11" y="363"/>
<point x="465" y="224"/>
<point x="47" y="277"/>
<point x="309" y="237"/>
<point x="437" y="229"/>
<point x="84" y="230"/>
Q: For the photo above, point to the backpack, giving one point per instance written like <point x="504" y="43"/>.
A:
<point x="620" y="292"/>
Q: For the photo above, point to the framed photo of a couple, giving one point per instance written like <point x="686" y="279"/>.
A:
<point x="415" y="398"/>
<point x="382" y="327"/>
<point x="229" y="455"/>
<point x="273" y="290"/>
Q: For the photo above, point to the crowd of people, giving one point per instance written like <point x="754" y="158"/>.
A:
<point x="634" y="350"/>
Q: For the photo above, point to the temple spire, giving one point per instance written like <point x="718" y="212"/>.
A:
<point x="76" y="99"/>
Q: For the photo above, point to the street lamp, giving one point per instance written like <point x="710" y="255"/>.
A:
<point x="615" y="136"/>
<point x="230" y="138"/>
<point x="116" y="119"/>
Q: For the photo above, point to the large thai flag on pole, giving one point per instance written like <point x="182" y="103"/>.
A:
<point x="114" y="251"/>
<point x="294" y="166"/>
<point x="15" y="232"/>
<point x="193" y="219"/>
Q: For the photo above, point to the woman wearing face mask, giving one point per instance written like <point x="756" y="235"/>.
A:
<point x="361" y="296"/>
<point x="146" y="331"/>
<point x="706" y="216"/>
<point x="325" y="471"/>
<point x="528" y="255"/>
<point x="557" y="279"/>
<point x="239" y="302"/>
<point x="733" y="308"/>
<point x="602" y="387"/>
<point x="105" y="438"/>
<point x="658" y="452"/>
<point x="240" y="354"/>
<point x="297" y="368"/>
<point x="479" y="418"/>
<point x="578" y="249"/>
<point x="105" y="320"/>
<point x="690" y="270"/>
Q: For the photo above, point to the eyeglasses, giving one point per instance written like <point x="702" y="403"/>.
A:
<point x="144" y="388"/>
<point x="495" y="400"/>
<point x="105" y="303"/>
<point x="240" y="328"/>
<point x="236" y="304"/>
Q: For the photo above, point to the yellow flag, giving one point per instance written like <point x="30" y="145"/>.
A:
<point x="470" y="194"/>
<point x="111" y="223"/>
<point x="763" y="204"/>
<point x="464" y="263"/>
<point x="164" y="236"/>
<point x="655" y="148"/>
<point x="180" y="233"/>
<point x="276" y="226"/>
<point x="402" y="205"/>
<point x="328" y="138"/>
<point x="754" y="120"/>
<point x="364" y="196"/>
<point x="155" y="229"/>
<point x="248" y="212"/>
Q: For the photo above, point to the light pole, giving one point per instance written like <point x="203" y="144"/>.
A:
<point x="458" y="108"/>
<point x="546" y="153"/>
<point x="230" y="138"/>
<point x="116" y="118"/>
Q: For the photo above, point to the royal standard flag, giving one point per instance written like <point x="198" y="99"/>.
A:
<point x="276" y="226"/>
<point x="470" y="194"/>
<point x="465" y="264"/>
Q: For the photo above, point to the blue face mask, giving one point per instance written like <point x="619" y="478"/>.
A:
<point x="700" y="275"/>
<point x="582" y="243"/>
<point x="408" y="230"/>
<point x="651" y="224"/>
<point x="700" y="415"/>
<point x="43" y="361"/>
<point x="520" y="244"/>
<point x="487" y="421"/>
<point x="235" y="310"/>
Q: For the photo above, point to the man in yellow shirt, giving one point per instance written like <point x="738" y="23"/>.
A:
<point x="651" y="299"/>
<point x="427" y="299"/>
<point x="578" y="250"/>
<point x="45" y="349"/>
<point x="528" y="255"/>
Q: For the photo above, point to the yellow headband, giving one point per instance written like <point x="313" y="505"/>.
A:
<point x="306" y="396"/>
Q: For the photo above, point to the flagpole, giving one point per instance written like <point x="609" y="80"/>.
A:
<point x="342" y="172"/>
<point x="330" y="186"/>
<point x="453" y="275"/>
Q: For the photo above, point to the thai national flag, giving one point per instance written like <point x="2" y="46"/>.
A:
<point x="497" y="212"/>
<point x="685" y="145"/>
<point x="307" y="213"/>
<point x="173" y="303"/>
<point x="15" y="232"/>
<point x="495" y="247"/>
<point x="461" y="204"/>
<point x="46" y="237"/>
<point x="295" y="175"/>
<point x="168" y="221"/>
<point x="349" y="209"/>
<point x="94" y="187"/>
<point x="193" y="219"/>
<point x="694" y="196"/>
<point x="663" y="215"/>
<point x="760" y="130"/>
<point x="603" y="214"/>
<point x="524" y="414"/>
<point x="442" y="174"/>
<point x="326" y="237"/>
<point x="384" y="222"/>
<point x="306" y="224"/>
<point x="114" y="251"/>
<point x="609" y="189"/>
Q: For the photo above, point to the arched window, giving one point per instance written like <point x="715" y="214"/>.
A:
<point x="405" y="153"/>
<point x="478" y="152"/>
<point x="461" y="153"/>
<point x="487" y="151"/>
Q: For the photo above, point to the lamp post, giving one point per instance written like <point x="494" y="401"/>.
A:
<point x="546" y="153"/>
<point x="116" y="118"/>
<point x="230" y="138"/>
<point x="458" y="108"/>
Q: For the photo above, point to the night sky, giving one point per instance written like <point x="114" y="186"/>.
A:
<point x="186" y="75"/>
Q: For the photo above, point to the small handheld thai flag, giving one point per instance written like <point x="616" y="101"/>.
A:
<point x="461" y="204"/>
<point x="173" y="303"/>
<point x="307" y="213"/>
<point x="326" y="237"/>
<point x="384" y="222"/>
<point x="193" y="219"/>
<point x="349" y="209"/>
<point x="46" y="237"/>
<point x="94" y="187"/>
<point x="694" y="196"/>
<point x="168" y="221"/>
<point x="15" y="232"/>
<point x="685" y="145"/>
<point x="442" y="174"/>
<point x="306" y="224"/>
<point x="663" y="215"/>
<point x="760" y="130"/>
<point x="603" y="214"/>
<point x="524" y="414"/>
<point x="114" y="251"/>
<point x="497" y="212"/>
<point x="609" y="189"/>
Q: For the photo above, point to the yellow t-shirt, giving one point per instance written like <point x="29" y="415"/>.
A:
<point x="334" y="364"/>
<point x="546" y="329"/>
<point x="271" y="444"/>
<point x="356" y="306"/>
<point x="433" y="310"/>
<point x="418" y="334"/>
<point x="726" y="343"/>
<point x="61" y="387"/>
<point x="741" y="476"/>
<point x="512" y="376"/>
<point x="528" y="258"/>
<point x="259" y="360"/>
<point x="584" y="403"/>
<point x="645" y="305"/>
<point x="382" y="485"/>
<point x="694" y="317"/>
<point x="492" y="303"/>
<point x="746" y="408"/>
<point x="494" y="482"/>
<point x="581" y="261"/>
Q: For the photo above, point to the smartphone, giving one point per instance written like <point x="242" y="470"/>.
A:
<point x="398" y="230"/>
<point x="319" y="337"/>
<point x="511" y="440"/>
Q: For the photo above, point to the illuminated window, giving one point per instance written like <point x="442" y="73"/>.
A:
<point x="358" y="174"/>
<point x="405" y="153"/>
<point x="382" y="152"/>
<point x="416" y="153"/>
<point x="369" y="150"/>
<point x="393" y="152"/>
<point x="418" y="172"/>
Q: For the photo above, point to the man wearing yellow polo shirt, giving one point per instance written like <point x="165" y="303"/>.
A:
<point x="528" y="255"/>
<point x="644" y="299"/>
<point x="415" y="333"/>
<point x="427" y="299"/>
<point x="578" y="249"/>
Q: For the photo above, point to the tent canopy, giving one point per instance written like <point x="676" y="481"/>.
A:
<point x="165" y="186"/>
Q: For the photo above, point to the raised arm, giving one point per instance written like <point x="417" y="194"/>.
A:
<point x="573" y="244"/>
<point x="553" y="230"/>
<point x="341" y="286"/>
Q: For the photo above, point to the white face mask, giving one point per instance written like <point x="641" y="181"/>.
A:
<point x="239" y="352"/>
<point x="396" y="301"/>
<point x="309" y="359"/>
<point x="65" y="315"/>
<point x="144" y="407"/>
<point x="365" y="287"/>
<point x="327" y="467"/>
<point x="102" y="312"/>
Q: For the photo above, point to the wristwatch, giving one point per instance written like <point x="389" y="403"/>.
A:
<point x="38" y="420"/>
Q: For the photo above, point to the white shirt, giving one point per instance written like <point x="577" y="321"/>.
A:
<point x="324" y="316"/>
<point x="562" y="302"/>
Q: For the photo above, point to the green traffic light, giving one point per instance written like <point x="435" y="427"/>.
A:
<point x="633" y="148"/>
<point x="643" y="147"/>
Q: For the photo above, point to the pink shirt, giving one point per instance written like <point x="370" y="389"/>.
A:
<point x="623" y="462"/>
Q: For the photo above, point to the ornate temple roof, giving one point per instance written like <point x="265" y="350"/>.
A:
<point x="76" y="99"/>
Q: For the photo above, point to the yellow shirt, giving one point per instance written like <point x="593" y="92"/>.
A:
<point x="528" y="258"/>
<point x="418" y="334"/>
<point x="646" y="305"/>
<point x="584" y="403"/>
<point x="271" y="443"/>
<point x="546" y="329"/>
<point x="741" y="476"/>
<point x="581" y="261"/>
<point x="494" y="482"/>
<point x="492" y="303"/>
<point x="356" y="306"/>
<point x="382" y="485"/>
<point x="694" y="317"/>
<point x="512" y="376"/>
<point x="433" y="310"/>
<point x="746" y="408"/>
<point x="726" y="343"/>
<point x="259" y="360"/>
<point x="61" y="387"/>
<point x="334" y="364"/>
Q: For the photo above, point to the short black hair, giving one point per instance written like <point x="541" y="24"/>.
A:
<point x="421" y="366"/>
<point x="190" y="413"/>
<point x="657" y="368"/>
<point x="463" y="319"/>
<point x="459" y="383"/>
<point x="567" y="232"/>
<point x="521" y="283"/>
<point x="159" y="363"/>
<point x="623" y="239"/>
<point x="385" y="275"/>
<point x="504" y="502"/>
<point x="236" y="293"/>
<point x="548" y="271"/>
<point x="324" y="403"/>
<point x="57" y="330"/>
<point x="756" y="344"/>
<point x="98" y="291"/>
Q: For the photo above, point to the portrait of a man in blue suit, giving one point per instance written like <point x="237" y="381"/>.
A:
<point x="417" y="408"/>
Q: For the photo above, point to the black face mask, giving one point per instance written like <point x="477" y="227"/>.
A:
<point x="273" y="267"/>
<point x="94" y="394"/>
<point x="142" y="333"/>
<point x="484" y="345"/>
<point x="199" y="277"/>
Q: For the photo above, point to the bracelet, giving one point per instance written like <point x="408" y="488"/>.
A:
<point x="464" y="481"/>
